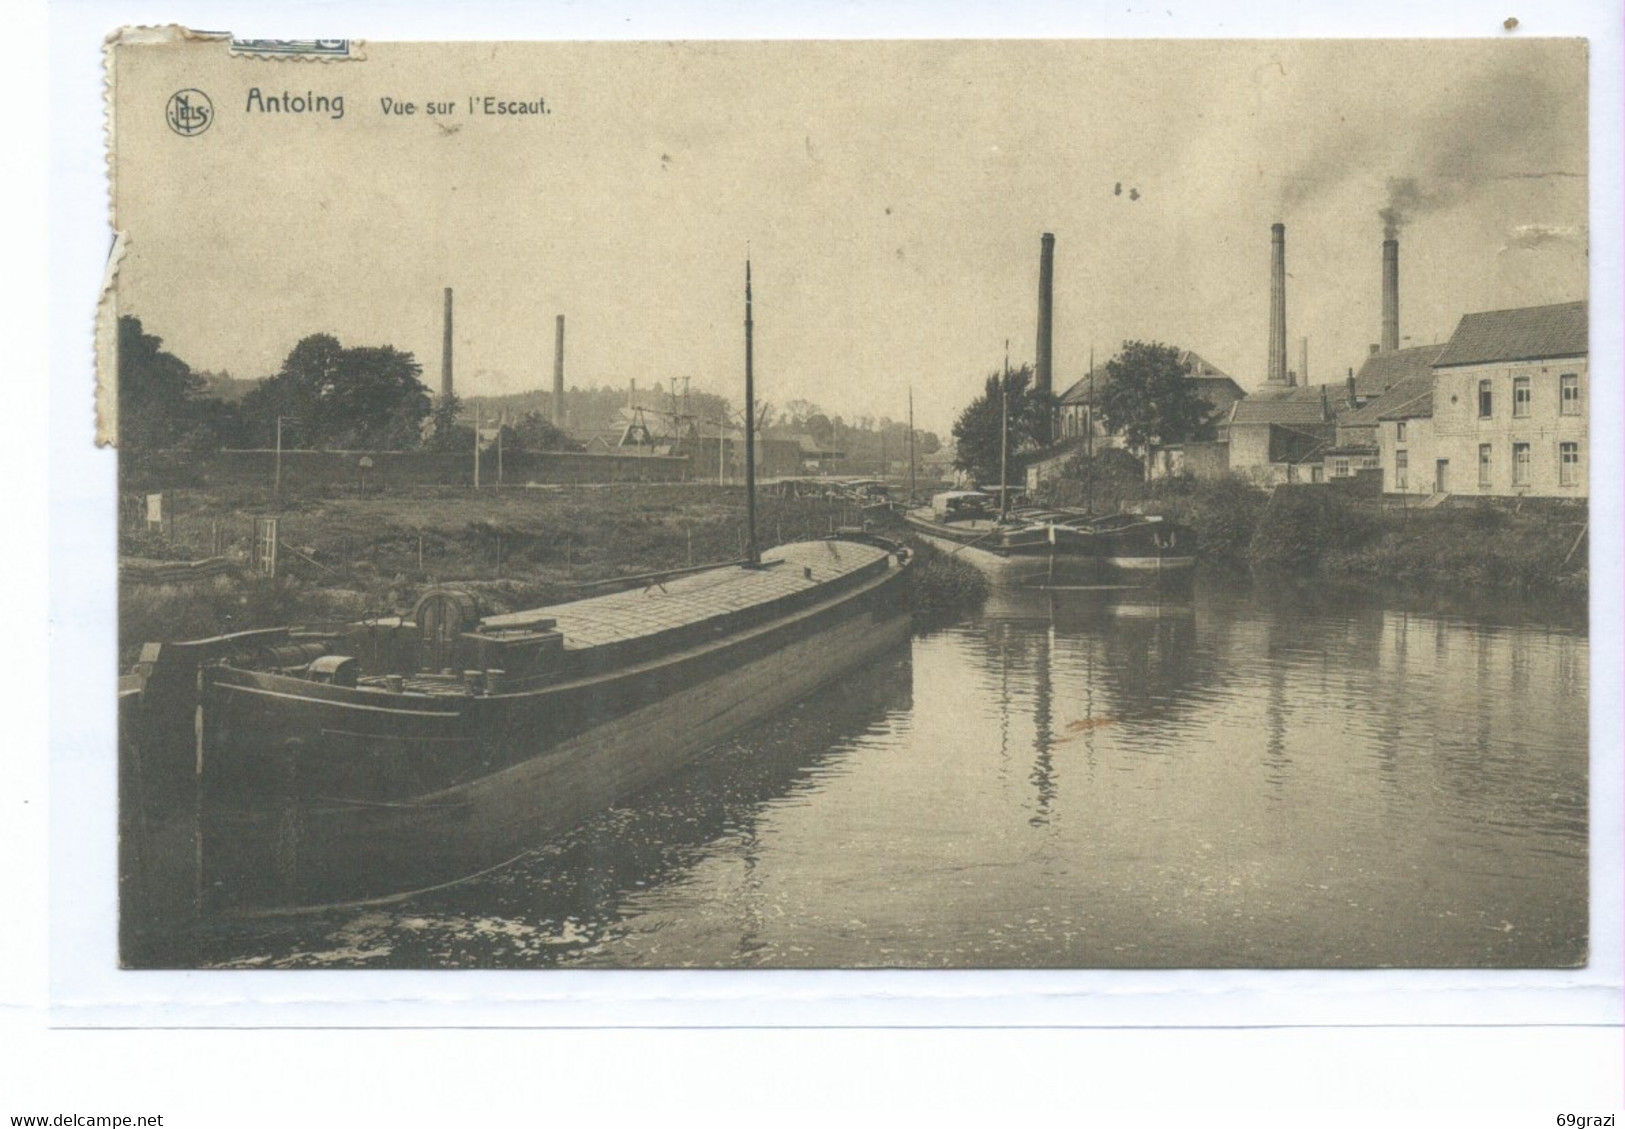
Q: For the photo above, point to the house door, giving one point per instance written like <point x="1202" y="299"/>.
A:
<point x="1441" y="477"/>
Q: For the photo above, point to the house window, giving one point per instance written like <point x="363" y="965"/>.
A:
<point x="1486" y="400"/>
<point x="1402" y="464"/>
<point x="1340" y="468"/>
<point x="1521" y="396"/>
<point x="1571" y="393"/>
<point x="1399" y="431"/>
<point x="1484" y="465"/>
<point x="1520" y="464"/>
<point x="1568" y="464"/>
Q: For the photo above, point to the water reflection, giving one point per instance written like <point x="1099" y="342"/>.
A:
<point x="566" y="898"/>
<point x="1244" y="777"/>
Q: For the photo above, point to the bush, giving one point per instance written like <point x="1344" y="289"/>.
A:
<point x="1303" y="525"/>
<point x="1118" y="479"/>
<point x="941" y="587"/>
<point x="1223" y="513"/>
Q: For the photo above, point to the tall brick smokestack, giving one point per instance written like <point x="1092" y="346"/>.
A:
<point x="558" y="374"/>
<point x="1277" y="370"/>
<point x="1043" y="375"/>
<point x="445" y="352"/>
<point x="1390" y="295"/>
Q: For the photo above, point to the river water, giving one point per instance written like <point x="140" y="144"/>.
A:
<point x="1241" y="777"/>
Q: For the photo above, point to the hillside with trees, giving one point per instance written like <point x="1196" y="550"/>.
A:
<point x="340" y="397"/>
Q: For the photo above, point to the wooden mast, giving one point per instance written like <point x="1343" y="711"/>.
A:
<point x="1004" y="435"/>
<point x="911" y="444"/>
<point x="753" y="557"/>
<point x="1089" y="438"/>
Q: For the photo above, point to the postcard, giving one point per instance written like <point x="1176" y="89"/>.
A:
<point x="1065" y="513"/>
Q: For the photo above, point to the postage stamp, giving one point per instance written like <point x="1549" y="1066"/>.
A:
<point x="976" y="505"/>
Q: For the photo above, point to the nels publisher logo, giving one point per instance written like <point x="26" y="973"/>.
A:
<point x="189" y="112"/>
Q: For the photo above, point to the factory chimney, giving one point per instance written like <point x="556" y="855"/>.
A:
<point x="1303" y="360"/>
<point x="558" y="373"/>
<point x="1277" y="371"/>
<point x="1043" y="378"/>
<point x="445" y="352"/>
<point x="1390" y="295"/>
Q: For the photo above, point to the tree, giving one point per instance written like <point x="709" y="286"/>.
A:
<point x="157" y="391"/>
<point x="535" y="432"/>
<point x="362" y="397"/>
<point x="820" y="428"/>
<point x="442" y="432"/>
<point x="1150" y="398"/>
<point x="977" y="432"/>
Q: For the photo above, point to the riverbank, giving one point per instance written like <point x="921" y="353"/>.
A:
<point x="1526" y="549"/>
<point x="942" y="587"/>
<point x="345" y="556"/>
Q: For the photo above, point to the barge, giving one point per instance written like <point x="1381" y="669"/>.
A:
<point x="385" y="757"/>
<point x="1007" y="550"/>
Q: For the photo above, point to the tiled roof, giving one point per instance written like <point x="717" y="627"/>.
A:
<point x="1419" y="406"/>
<point x="1078" y="393"/>
<point x="1199" y="369"/>
<point x="1383" y="371"/>
<point x="1262" y="409"/>
<point x="1403" y="393"/>
<point x="807" y="443"/>
<point x="1528" y="334"/>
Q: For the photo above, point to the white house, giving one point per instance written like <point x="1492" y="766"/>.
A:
<point x="1508" y="410"/>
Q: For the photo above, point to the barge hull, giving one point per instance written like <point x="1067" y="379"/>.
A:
<point x="1015" y="569"/>
<point x="554" y="759"/>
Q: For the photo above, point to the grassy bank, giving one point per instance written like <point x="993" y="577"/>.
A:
<point x="942" y="587"/>
<point x="1501" y="546"/>
<point x="345" y="556"/>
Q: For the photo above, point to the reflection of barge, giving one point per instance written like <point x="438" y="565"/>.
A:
<point x="400" y="753"/>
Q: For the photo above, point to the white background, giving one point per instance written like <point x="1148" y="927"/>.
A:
<point x="1519" y="1049"/>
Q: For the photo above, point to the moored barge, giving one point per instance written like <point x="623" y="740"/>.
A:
<point x="389" y="756"/>
<point x="1007" y="550"/>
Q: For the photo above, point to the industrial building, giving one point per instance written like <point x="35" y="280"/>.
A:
<point x="1506" y="414"/>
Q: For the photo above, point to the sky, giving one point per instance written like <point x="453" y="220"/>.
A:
<point x="891" y="197"/>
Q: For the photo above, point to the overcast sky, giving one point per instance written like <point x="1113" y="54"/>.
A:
<point x="892" y="196"/>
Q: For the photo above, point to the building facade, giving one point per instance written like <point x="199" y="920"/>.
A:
<point x="1405" y="438"/>
<point x="1275" y="437"/>
<point x="1511" y="392"/>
